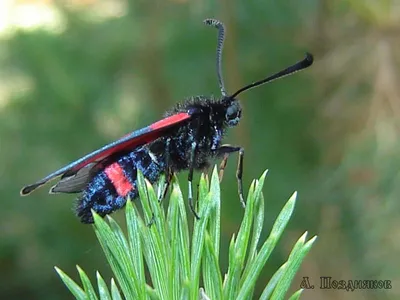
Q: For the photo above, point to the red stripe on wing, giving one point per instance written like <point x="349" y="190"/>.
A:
<point x="128" y="144"/>
<point x="118" y="178"/>
<point x="154" y="131"/>
<point x="170" y="121"/>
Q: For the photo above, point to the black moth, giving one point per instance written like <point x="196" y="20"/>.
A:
<point x="189" y="137"/>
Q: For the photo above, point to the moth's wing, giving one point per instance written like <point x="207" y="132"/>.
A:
<point x="75" y="182"/>
<point x="128" y="142"/>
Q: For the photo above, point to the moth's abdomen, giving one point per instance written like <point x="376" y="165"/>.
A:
<point x="109" y="188"/>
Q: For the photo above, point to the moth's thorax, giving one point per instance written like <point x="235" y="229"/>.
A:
<point x="210" y="119"/>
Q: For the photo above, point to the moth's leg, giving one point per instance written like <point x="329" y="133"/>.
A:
<point x="225" y="151"/>
<point x="152" y="220"/>
<point x="154" y="150"/>
<point x="163" y="194"/>
<point x="167" y="184"/>
<point x="239" y="175"/>
<point x="168" y="172"/>
<point x="222" y="166"/>
<point x="190" y="178"/>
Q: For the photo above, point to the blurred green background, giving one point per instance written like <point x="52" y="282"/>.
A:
<point x="75" y="75"/>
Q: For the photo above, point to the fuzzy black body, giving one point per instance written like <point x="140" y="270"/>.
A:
<point x="206" y="128"/>
<point x="109" y="187"/>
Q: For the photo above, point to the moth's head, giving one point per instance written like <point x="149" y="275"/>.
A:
<point x="233" y="112"/>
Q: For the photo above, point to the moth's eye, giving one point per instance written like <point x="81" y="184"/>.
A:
<point x="232" y="115"/>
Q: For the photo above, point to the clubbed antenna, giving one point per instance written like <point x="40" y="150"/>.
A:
<point x="305" y="63"/>
<point x="221" y="37"/>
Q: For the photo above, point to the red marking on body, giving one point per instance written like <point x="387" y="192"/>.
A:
<point x="170" y="121"/>
<point x="117" y="176"/>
